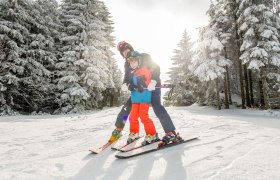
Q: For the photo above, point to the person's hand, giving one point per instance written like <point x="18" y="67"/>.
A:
<point x="124" y="87"/>
<point x="141" y="80"/>
<point x="140" y="88"/>
<point x="152" y="85"/>
<point x="131" y="87"/>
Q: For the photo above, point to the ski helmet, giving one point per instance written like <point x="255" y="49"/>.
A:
<point x="123" y="46"/>
<point x="133" y="55"/>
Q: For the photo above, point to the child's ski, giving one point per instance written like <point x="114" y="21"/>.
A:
<point x="122" y="144"/>
<point x="151" y="148"/>
<point x="135" y="145"/>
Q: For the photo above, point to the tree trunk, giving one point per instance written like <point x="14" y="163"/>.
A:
<point x="218" y="94"/>
<point x="226" y="92"/>
<point x="228" y="88"/>
<point x="227" y="80"/>
<point x="116" y="96"/>
<point x="251" y="87"/>
<point x="261" y="94"/>
<point x="265" y="88"/>
<point x="248" y="101"/>
<point x="106" y="95"/>
<point x="238" y="39"/>
<point x="112" y="100"/>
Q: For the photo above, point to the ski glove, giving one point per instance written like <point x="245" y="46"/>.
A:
<point x="140" y="88"/>
<point x="152" y="85"/>
<point x="141" y="83"/>
<point x="131" y="87"/>
<point x="141" y="80"/>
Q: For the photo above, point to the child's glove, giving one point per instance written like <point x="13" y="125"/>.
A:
<point x="141" y="80"/>
<point x="140" y="88"/>
<point x="141" y="83"/>
<point x="152" y="85"/>
<point x="131" y="87"/>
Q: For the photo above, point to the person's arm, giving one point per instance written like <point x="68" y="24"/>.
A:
<point x="127" y="73"/>
<point x="156" y="73"/>
<point x="153" y="67"/>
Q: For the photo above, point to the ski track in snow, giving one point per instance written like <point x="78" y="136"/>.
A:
<point x="239" y="158"/>
<point x="56" y="147"/>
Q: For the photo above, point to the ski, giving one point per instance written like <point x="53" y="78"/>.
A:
<point x="117" y="145"/>
<point x="101" y="148"/>
<point x="151" y="148"/>
<point x="107" y="144"/>
<point x="135" y="145"/>
<point x="120" y="145"/>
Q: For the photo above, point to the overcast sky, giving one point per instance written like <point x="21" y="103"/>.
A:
<point x="156" y="26"/>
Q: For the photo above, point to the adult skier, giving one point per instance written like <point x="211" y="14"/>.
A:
<point x="124" y="48"/>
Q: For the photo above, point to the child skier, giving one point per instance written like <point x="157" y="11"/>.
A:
<point x="140" y="98"/>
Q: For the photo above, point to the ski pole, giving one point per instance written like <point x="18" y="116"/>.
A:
<point x="165" y="86"/>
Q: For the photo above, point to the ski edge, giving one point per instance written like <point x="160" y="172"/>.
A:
<point x="137" y="147"/>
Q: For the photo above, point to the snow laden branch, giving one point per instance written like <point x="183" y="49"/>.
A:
<point x="208" y="62"/>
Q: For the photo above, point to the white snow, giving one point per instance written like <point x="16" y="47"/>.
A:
<point x="234" y="144"/>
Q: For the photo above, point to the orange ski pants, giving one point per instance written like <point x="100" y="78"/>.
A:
<point x="141" y="110"/>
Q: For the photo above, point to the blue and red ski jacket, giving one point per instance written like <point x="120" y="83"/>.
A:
<point x="141" y="79"/>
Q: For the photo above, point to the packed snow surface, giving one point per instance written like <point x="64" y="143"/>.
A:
<point x="233" y="144"/>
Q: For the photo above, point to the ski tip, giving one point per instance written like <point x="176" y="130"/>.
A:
<point x="196" y="138"/>
<point x="93" y="152"/>
<point x="191" y="138"/>
<point x="121" y="157"/>
<point x="121" y="150"/>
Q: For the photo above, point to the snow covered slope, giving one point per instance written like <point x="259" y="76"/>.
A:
<point x="234" y="144"/>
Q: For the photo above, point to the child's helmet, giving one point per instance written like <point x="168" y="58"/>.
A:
<point x="133" y="54"/>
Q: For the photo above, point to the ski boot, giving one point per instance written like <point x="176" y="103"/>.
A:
<point x="171" y="137"/>
<point x="116" y="134"/>
<point x="149" y="138"/>
<point x="132" y="137"/>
